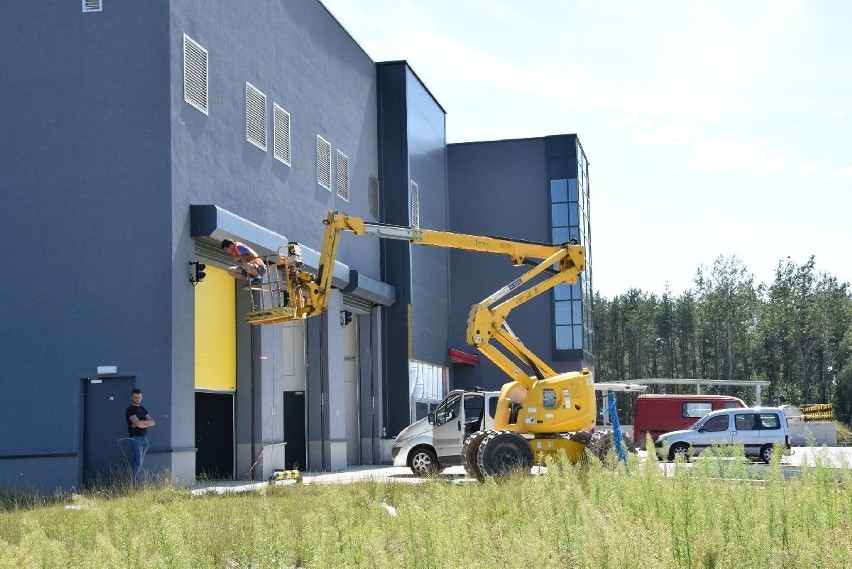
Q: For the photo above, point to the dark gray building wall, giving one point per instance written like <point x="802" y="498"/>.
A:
<point x="497" y="189"/>
<point x="85" y="180"/>
<point x="101" y="159"/>
<point x="299" y="56"/>
<point x="412" y="140"/>
<point x="303" y="60"/>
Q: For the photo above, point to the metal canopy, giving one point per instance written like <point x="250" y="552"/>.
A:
<point x="758" y="385"/>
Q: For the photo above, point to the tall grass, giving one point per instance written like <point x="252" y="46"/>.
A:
<point x="716" y="514"/>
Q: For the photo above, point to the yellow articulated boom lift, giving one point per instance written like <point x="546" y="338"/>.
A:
<point x="540" y="413"/>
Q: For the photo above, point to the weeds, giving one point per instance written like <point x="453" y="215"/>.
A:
<point x="716" y="514"/>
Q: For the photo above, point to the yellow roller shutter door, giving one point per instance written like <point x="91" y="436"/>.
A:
<point x="215" y="332"/>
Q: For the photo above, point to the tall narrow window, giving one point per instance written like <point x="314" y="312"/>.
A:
<point x="281" y="135"/>
<point x="373" y="196"/>
<point x="194" y="74"/>
<point x="415" y="204"/>
<point x="255" y="116"/>
<point x="92" y="6"/>
<point x="323" y="163"/>
<point x="342" y="176"/>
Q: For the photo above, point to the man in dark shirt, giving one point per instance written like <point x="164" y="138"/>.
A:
<point x="138" y="422"/>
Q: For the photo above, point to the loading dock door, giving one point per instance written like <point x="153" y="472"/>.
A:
<point x="104" y="424"/>
<point x="215" y="375"/>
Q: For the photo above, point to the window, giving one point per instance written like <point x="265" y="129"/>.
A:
<point x="255" y="116"/>
<point x="415" y="204"/>
<point x="92" y="6"/>
<point x="746" y="421"/>
<point x="716" y="424"/>
<point x="769" y="421"/>
<point x="281" y="135"/>
<point x="342" y="176"/>
<point x="696" y="409"/>
<point x="373" y="196"/>
<point x="448" y="410"/>
<point x="323" y="163"/>
<point x="194" y="74"/>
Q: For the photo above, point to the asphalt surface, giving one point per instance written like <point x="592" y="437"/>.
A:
<point x="834" y="457"/>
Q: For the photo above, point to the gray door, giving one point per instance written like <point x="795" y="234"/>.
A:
<point x="104" y="425"/>
<point x="448" y="431"/>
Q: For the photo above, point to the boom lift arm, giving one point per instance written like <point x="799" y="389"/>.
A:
<point x="540" y="413"/>
<point x="308" y="293"/>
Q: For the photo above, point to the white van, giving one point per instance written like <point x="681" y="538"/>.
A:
<point x="434" y="442"/>
<point x="756" y="428"/>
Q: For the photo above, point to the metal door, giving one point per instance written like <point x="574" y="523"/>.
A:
<point x="105" y="456"/>
<point x="448" y="428"/>
<point x="295" y="455"/>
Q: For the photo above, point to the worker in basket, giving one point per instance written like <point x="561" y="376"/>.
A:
<point x="249" y="264"/>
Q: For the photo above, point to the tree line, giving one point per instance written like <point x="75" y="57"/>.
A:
<point x="795" y="332"/>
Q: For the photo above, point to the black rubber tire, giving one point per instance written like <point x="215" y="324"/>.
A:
<point x="766" y="453"/>
<point x="503" y="453"/>
<point x="676" y="449"/>
<point x="469" y="450"/>
<point x="423" y="461"/>
<point x="602" y="442"/>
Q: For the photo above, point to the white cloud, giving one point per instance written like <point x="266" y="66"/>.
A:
<point x="840" y="173"/>
<point x="721" y="154"/>
<point x="806" y="168"/>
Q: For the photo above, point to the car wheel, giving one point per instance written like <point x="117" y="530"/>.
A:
<point x="766" y="453"/>
<point x="424" y="461"/>
<point x="678" y="449"/>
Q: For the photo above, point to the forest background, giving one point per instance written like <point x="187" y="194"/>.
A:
<point x="795" y="332"/>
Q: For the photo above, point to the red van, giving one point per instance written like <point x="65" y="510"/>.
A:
<point x="658" y="414"/>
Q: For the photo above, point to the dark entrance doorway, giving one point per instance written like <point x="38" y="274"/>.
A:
<point x="294" y="429"/>
<point x="105" y="456"/>
<point x="214" y="436"/>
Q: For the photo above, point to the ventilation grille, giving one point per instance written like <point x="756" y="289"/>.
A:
<point x="323" y="163"/>
<point x="194" y="74"/>
<point x="255" y="116"/>
<point x="281" y="135"/>
<point x="92" y="6"/>
<point x="415" y="205"/>
<point x="373" y="196"/>
<point x="342" y="176"/>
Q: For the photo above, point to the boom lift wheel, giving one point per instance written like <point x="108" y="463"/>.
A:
<point x="504" y="452"/>
<point x="469" y="450"/>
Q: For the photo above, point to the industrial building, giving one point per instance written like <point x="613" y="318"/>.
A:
<point x="138" y="135"/>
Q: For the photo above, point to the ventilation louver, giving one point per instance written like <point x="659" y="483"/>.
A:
<point x="194" y="74"/>
<point x="323" y="163"/>
<point x="342" y="176"/>
<point x="415" y="205"/>
<point x="281" y="135"/>
<point x="373" y="196"/>
<point x="255" y="116"/>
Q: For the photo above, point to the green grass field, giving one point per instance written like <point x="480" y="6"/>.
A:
<point x="715" y="514"/>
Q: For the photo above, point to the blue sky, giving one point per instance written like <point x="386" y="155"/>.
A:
<point x="711" y="128"/>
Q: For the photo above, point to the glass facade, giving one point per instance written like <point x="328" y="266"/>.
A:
<point x="572" y="304"/>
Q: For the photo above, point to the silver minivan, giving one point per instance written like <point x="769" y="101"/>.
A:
<point x="758" y="429"/>
<point x="435" y="442"/>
